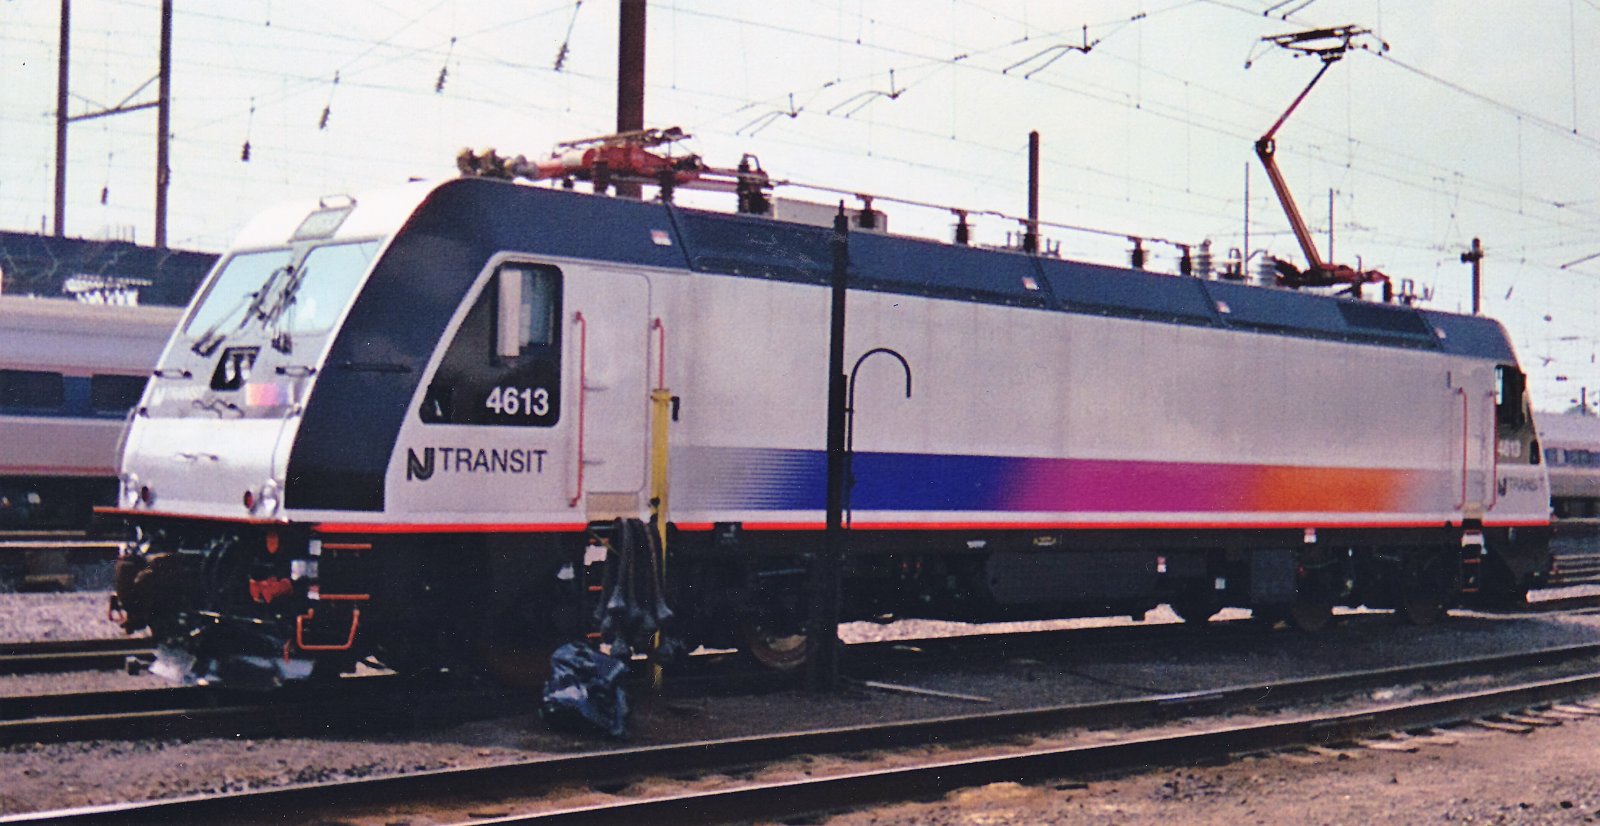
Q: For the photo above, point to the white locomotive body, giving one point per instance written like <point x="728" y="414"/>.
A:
<point x="390" y="425"/>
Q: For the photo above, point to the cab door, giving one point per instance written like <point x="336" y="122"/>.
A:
<point x="608" y="323"/>
<point x="1475" y="397"/>
<point x="491" y="421"/>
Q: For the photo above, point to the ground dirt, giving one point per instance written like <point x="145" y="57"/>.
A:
<point x="1550" y="775"/>
<point x="1494" y="777"/>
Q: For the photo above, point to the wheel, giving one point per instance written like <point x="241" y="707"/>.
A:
<point x="1195" y="610"/>
<point x="1310" y="614"/>
<point x="1267" y="617"/>
<point x="1317" y="590"/>
<point x="1428" y="590"/>
<point x="1421" y="609"/>
<point x="774" y="649"/>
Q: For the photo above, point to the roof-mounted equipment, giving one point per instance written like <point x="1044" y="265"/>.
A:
<point x="628" y="157"/>
<point x="1327" y="45"/>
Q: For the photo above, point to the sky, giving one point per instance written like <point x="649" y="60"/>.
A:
<point x="1459" y="119"/>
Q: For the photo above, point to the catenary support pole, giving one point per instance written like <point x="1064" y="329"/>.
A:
<point x="827" y="569"/>
<point x="1474" y="257"/>
<point x="630" y="76"/>
<point x="163" y="124"/>
<point x="62" y="59"/>
<point x="1244" y="253"/>
<point x="1030" y="239"/>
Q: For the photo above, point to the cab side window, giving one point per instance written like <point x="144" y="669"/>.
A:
<point x="1510" y="406"/>
<point x="504" y="365"/>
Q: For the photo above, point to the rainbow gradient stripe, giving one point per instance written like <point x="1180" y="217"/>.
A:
<point x="718" y="478"/>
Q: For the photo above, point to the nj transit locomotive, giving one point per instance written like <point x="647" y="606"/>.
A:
<point x="70" y="373"/>
<point x="394" y="426"/>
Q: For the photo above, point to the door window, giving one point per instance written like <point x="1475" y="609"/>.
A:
<point x="504" y="365"/>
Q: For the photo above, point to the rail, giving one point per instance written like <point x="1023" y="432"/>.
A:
<point x="771" y="800"/>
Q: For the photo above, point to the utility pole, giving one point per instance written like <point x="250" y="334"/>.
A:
<point x="63" y="57"/>
<point x="163" y="123"/>
<point x="1330" y="223"/>
<point x="1030" y="238"/>
<point x="630" y="77"/>
<point x="1474" y="257"/>
<point x="1244" y="254"/>
<point x="162" y="105"/>
<point x="822" y="625"/>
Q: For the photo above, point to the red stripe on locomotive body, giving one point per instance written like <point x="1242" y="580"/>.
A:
<point x="457" y="527"/>
<point x="386" y="528"/>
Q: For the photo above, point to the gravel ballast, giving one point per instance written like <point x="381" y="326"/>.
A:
<point x="41" y="777"/>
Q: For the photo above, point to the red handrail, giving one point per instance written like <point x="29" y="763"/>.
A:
<point x="300" y="632"/>
<point x="583" y="380"/>
<point x="1494" y="456"/>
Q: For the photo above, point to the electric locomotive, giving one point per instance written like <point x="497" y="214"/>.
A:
<point x="405" y="425"/>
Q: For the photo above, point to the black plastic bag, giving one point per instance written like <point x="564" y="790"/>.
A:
<point x="584" y="693"/>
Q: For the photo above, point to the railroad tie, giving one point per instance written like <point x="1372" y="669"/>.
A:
<point x="1583" y="711"/>
<point x="1563" y="716"/>
<point x="1408" y="746"/>
<point x="1337" y="754"/>
<point x="1499" y="725"/>
<point x="1435" y="737"/>
<point x="1530" y="718"/>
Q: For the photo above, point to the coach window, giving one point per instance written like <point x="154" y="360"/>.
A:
<point x="504" y="365"/>
<point x="115" y="394"/>
<point x="31" y="390"/>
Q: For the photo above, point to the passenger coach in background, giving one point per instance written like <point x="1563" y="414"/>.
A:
<point x="1572" y="452"/>
<point x="404" y="426"/>
<point x="70" y="374"/>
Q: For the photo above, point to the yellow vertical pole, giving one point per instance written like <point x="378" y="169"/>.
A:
<point x="660" y="417"/>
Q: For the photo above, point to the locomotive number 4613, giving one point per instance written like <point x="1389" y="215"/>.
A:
<point x="519" y="401"/>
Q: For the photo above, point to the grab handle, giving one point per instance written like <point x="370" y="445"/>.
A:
<point x="583" y="383"/>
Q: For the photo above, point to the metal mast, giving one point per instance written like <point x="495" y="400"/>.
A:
<point x="162" y="104"/>
<point x="630" y="78"/>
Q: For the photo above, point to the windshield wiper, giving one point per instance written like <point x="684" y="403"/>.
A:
<point x="259" y="298"/>
<point x="272" y="317"/>
<point x="212" y="338"/>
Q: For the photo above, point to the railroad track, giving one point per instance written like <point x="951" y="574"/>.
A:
<point x="104" y="654"/>
<point x="72" y="655"/>
<point x="51" y="560"/>
<point x="57" y="541"/>
<point x="357" y="704"/>
<point x="501" y="794"/>
<point x="218" y="711"/>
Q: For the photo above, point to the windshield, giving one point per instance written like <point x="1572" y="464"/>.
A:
<point x="233" y="288"/>
<point x="323" y="286"/>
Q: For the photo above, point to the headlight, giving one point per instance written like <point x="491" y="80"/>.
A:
<point x="130" y="490"/>
<point x="303" y="569"/>
<point x="271" y="496"/>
